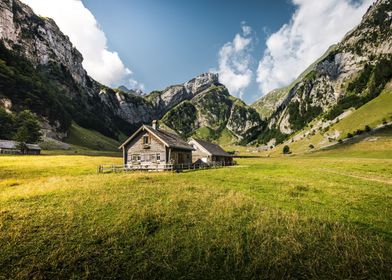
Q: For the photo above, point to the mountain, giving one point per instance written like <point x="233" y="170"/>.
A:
<point x="270" y="102"/>
<point x="349" y="75"/>
<point x="136" y="92"/>
<point x="43" y="72"/>
<point x="209" y="112"/>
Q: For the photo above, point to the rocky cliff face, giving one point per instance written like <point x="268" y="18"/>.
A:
<point x="60" y="91"/>
<point x="346" y="74"/>
<point x="38" y="39"/>
<point x="212" y="113"/>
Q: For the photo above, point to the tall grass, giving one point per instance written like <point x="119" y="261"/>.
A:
<point x="292" y="218"/>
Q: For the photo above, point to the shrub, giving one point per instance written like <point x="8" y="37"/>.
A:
<point x="7" y="125"/>
<point x="368" y="128"/>
<point x="359" y="132"/>
<point x="349" y="135"/>
<point x="311" y="146"/>
<point x="286" y="150"/>
<point x="340" y="141"/>
<point x="28" y="129"/>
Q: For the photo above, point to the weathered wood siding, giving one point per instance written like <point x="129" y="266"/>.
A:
<point x="198" y="153"/>
<point x="146" y="152"/>
<point x="181" y="156"/>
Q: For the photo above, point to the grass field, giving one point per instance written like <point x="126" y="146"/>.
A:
<point x="323" y="216"/>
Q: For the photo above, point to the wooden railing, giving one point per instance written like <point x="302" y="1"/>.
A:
<point x="161" y="167"/>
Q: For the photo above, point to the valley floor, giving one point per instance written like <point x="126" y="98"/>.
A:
<point x="325" y="215"/>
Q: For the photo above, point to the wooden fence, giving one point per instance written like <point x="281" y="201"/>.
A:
<point x="161" y="167"/>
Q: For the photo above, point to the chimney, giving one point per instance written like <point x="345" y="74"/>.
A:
<point x="155" y="124"/>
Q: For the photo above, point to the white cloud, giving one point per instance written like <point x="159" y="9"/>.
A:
<point x="234" y="62"/>
<point x="80" y="25"/>
<point x="314" y="27"/>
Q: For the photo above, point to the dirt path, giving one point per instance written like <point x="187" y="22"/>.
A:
<point x="385" y="181"/>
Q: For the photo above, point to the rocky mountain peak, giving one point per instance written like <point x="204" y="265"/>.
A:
<point x="201" y="82"/>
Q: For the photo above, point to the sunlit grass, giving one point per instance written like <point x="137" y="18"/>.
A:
<point x="292" y="217"/>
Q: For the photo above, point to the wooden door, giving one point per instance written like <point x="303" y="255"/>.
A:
<point x="180" y="158"/>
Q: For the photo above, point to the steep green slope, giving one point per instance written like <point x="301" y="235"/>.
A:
<point x="376" y="144"/>
<point x="375" y="113"/>
<point x="90" y="139"/>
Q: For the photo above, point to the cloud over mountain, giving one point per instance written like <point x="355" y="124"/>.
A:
<point x="80" y="25"/>
<point x="235" y="60"/>
<point x="314" y="27"/>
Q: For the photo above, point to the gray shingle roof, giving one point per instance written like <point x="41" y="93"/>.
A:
<point x="213" y="149"/>
<point x="8" y="144"/>
<point x="169" y="139"/>
<point x="172" y="140"/>
<point x="33" y="147"/>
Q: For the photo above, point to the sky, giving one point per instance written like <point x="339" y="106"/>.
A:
<point x="254" y="45"/>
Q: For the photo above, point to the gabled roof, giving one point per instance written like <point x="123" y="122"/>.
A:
<point x="33" y="147"/>
<point x="213" y="149"/>
<point x="169" y="139"/>
<point x="8" y="144"/>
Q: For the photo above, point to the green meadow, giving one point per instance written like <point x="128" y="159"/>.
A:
<point x="325" y="215"/>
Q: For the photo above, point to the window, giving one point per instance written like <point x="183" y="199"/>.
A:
<point x="146" y="158"/>
<point x="158" y="157"/>
<point x="153" y="157"/>
<point x="136" y="158"/>
<point x="146" y="140"/>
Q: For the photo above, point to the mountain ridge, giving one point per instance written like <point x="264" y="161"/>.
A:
<point x="70" y="94"/>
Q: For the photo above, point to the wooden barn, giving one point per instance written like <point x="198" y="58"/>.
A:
<point x="208" y="153"/>
<point x="11" y="147"/>
<point x="154" y="148"/>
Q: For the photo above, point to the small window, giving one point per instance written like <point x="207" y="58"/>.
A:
<point x="146" y="140"/>
<point x="158" y="157"/>
<point x="146" y="158"/>
<point x="135" y="158"/>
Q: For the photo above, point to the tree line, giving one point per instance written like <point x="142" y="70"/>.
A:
<point x="22" y="127"/>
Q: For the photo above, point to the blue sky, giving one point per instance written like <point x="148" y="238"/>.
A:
<point x="169" y="42"/>
<point x="254" y="45"/>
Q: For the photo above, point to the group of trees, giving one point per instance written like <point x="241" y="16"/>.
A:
<point x="22" y="127"/>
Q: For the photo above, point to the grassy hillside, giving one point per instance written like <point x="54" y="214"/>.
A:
<point x="375" y="144"/>
<point x="314" y="217"/>
<point x="372" y="114"/>
<point x="90" y="139"/>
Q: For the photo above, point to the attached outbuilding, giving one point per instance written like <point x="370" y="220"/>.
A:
<point x="208" y="153"/>
<point x="154" y="148"/>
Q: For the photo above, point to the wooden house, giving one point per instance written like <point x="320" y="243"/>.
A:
<point x="153" y="148"/>
<point x="208" y="153"/>
<point x="11" y="147"/>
